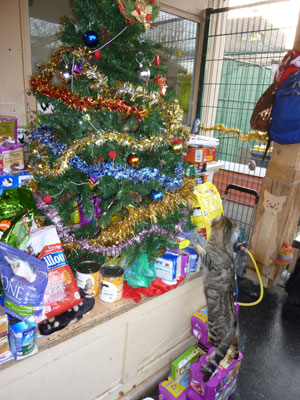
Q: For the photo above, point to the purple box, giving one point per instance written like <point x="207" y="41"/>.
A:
<point x="182" y="266"/>
<point x="220" y="386"/>
<point x="199" y="326"/>
<point x="8" y="130"/>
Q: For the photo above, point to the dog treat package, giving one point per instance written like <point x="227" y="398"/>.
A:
<point x="61" y="292"/>
<point x="24" y="279"/>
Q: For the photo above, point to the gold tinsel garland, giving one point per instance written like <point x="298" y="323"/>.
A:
<point x="245" y="137"/>
<point x="119" y="231"/>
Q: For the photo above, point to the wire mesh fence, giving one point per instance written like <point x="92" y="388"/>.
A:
<point x="242" y="47"/>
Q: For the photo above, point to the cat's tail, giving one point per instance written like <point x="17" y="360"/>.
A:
<point x="229" y="342"/>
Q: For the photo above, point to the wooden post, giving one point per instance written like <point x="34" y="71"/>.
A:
<point x="278" y="209"/>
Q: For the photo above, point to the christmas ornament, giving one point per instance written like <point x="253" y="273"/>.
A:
<point x="83" y="219"/>
<point x="65" y="75"/>
<point x="99" y="158"/>
<point x="144" y="11"/>
<point x="133" y="160"/>
<point x="66" y="197"/>
<point x="97" y="54"/>
<point x="47" y="199"/>
<point x="93" y="181"/>
<point x="105" y="35"/>
<point x="96" y="202"/>
<point x="77" y="68"/>
<point x="156" y="195"/>
<point x="90" y="38"/>
<point x="112" y="154"/>
<point x="161" y="251"/>
<point x="177" y="147"/>
<point x="136" y="197"/>
<point x="143" y="73"/>
<point x="157" y="60"/>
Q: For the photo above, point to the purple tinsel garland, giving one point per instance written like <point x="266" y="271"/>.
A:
<point x="111" y="251"/>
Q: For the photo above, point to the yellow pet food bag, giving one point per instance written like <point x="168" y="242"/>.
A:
<point x="207" y="206"/>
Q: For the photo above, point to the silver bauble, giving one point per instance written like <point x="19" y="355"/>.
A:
<point x="144" y="74"/>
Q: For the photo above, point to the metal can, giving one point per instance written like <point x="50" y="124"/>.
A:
<point x="112" y="283"/>
<point x="88" y="277"/>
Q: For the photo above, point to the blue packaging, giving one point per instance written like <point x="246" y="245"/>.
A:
<point x="193" y="257"/>
<point x="166" y="266"/>
<point x="24" y="279"/>
<point x="22" y="338"/>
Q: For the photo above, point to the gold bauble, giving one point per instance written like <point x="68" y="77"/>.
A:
<point x="133" y="160"/>
<point x="176" y="148"/>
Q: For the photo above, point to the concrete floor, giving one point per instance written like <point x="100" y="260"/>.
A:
<point x="270" y="342"/>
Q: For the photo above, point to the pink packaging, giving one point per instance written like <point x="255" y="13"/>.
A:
<point x="11" y="158"/>
<point x="8" y="130"/>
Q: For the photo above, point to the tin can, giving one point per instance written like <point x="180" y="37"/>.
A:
<point x="88" y="277"/>
<point x="112" y="283"/>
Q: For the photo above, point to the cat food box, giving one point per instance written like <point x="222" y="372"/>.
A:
<point x="166" y="266"/>
<point x="12" y="158"/>
<point x="3" y="322"/>
<point x="180" y="368"/>
<point x="22" y="338"/>
<point x="15" y="179"/>
<point x="8" y="130"/>
<point x="61" y="292"/>
<point x="24" y="279"/>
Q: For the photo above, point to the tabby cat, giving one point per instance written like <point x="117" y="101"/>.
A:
<point x="217" y="256"/>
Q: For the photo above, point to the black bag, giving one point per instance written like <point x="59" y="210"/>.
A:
<point x="292" y="285"/>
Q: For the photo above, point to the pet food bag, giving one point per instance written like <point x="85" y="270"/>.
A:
<point x="207" y="206"/>
<point x="24" y="279"/>
<point x="61" y="292"/>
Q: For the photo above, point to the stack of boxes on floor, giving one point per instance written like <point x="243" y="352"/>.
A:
<point x="185" y="381"/>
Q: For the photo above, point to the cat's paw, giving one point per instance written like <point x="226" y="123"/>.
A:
<point x="205" y="372"/>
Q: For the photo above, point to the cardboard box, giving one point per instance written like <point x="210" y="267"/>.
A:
<point x="3" y="322"/>
<point x="13" y="180"/>
<point x="166" y="266"/>
<point x="180" y="367"/>
<point x="12" y="158"/>
<point x="8" y="130"/>
<point x="4" y="344"/>
<point x="200" y="154"/>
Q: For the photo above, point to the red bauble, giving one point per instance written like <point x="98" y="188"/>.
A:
<point x="97" y="54"/>
<point x="47" y="199"/>
<point x="112" y="154"/>
<point x="157" y="60"/>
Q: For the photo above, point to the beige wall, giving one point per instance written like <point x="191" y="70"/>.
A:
<point x="15" y="59"/>
<point x="116" y="359"/>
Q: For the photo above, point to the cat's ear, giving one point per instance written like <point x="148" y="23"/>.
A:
<point x="229" y="227"/>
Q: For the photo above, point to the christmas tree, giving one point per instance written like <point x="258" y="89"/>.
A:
<point x="107" y="163"/>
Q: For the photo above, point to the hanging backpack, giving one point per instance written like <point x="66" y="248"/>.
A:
<point x="285" y="122"/>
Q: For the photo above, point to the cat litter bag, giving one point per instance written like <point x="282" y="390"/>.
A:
<point x="61" y="292"/>
<point x="24" y="279"/>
